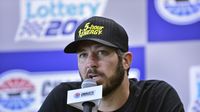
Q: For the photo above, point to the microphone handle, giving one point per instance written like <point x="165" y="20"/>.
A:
<point x="87" y="106"/>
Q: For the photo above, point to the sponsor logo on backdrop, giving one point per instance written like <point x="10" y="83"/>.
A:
<point x="44" y="20"/>
<point x="194" y="105"/>
<point x="180" y="12"/>
<point x="17" y="93"/>
<point x="23" y="91"/>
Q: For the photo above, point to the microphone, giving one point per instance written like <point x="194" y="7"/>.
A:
<point x="87" y="98"/>
<point x="88" y="105"/>
<point x="88" y="83"/>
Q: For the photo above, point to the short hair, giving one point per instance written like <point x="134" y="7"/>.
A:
<point x="120" y="55"/>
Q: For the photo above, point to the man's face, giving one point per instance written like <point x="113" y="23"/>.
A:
<point x="100" y="63"/>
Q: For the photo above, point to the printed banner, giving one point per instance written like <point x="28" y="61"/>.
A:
<point x="28" y="74"/>
<point x="173" y="20"/>
<point x="54" y="20"/>
<point x="23" y="91"/>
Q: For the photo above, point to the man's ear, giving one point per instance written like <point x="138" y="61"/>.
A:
<point x="127" y="60"/>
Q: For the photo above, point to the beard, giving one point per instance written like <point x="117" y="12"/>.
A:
<point x="113" y="82"/>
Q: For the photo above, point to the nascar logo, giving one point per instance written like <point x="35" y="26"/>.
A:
<point x="179" y="12"/>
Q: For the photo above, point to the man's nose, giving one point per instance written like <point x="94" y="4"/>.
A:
<point x="92" y="60"/>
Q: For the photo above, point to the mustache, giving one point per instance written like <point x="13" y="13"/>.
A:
<point x="93" y="71"/>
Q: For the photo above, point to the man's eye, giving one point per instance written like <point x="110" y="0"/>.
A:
<point x="82" y="55"/>
<point x="102" y="53"/>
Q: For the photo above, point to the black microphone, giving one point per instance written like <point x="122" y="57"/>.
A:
<point x="88" y="105"/>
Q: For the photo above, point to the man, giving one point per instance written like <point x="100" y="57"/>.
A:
<point x="101" y="45"/>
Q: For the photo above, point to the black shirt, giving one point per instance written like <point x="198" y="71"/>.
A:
<point x="145" y="96"/>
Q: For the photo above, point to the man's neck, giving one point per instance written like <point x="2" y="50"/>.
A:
<point x="117" y="98"/>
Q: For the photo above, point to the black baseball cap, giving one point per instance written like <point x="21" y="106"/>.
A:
<point x="101" y="30"/>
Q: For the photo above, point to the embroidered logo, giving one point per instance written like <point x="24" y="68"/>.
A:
<point x="90" y="29"/>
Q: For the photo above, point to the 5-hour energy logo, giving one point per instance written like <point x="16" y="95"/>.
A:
<point x="90" y="30"/>
<point x="43" y="20"/>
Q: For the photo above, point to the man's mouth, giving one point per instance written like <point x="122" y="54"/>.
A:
<point x="91" y="75"/>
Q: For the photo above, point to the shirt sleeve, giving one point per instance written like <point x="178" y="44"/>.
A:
<point x="53" y="102"/>
<point x="166" y="98"/>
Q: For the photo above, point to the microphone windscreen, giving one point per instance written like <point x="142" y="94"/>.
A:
<point x="88" y="83"/>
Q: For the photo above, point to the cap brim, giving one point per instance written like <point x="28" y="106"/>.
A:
<point x="72" y="47"/>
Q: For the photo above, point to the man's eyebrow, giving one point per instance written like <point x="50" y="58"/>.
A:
<point x="100" y="46"/>
<point x="95" y="46"/>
